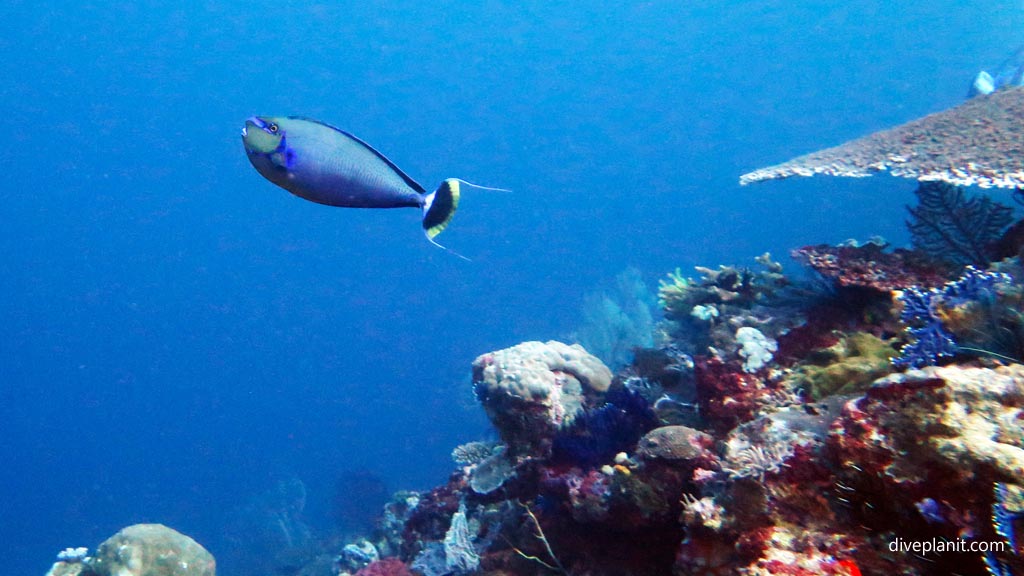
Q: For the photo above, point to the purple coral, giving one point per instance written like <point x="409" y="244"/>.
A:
<point x="597" y="435"/>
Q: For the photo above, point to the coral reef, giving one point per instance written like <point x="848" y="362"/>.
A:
<point x="914" y="451"/>
<point x="777" y="430"/>
<point x="809" y="456"/>
<point x="975" y="143"/>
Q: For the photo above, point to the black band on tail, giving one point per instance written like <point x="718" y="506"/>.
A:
<point x="440" y="207"/>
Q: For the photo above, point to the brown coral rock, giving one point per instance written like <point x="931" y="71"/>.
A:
<point x="967" y="420"/>
<point x="152" y="550"/>
<point x="674" y="443"/>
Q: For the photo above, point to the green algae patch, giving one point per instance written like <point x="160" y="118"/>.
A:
<point x="847" y="367"/>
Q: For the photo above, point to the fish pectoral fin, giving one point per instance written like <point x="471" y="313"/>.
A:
<point x="282" y="160"/>
<point x="282" y="157"/>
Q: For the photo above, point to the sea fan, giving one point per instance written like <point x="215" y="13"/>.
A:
<point x="950" y="226"/>
<point x="597" y="435"/>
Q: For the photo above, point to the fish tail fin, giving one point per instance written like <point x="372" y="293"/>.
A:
<point x="438" y="210"/>
<point x="439" y="207"/>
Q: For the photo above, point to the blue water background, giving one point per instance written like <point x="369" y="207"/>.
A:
<point x="179" y="334"/>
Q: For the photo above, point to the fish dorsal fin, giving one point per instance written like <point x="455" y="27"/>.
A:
<point x="408" y="179"/>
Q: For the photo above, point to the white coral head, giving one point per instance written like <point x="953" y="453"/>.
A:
<point x="73" y="555"/>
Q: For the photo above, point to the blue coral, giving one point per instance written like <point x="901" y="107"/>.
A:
<point x="597" y="435"/>
<point x="1002" y="521"/>
<point x="973" y="286"/>
<point x="930" y="340"/>
<point x="1002" y="517"/>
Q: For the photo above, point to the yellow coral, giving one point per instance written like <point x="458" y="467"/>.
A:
<point x="672" y="292"/>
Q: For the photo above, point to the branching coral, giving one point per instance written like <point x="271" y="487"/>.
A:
<point x="950" y="226"/>
<point x="925" y="313"/>
<point x="677" y="295"/>
<point x="703" y="315"/>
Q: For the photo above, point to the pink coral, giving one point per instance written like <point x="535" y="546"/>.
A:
<point x="727" y="395"/>
<point x="386" y="567"/>
<point x="869" y="266"/>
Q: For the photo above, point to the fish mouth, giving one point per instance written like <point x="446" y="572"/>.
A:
<point x="253" y="122"/>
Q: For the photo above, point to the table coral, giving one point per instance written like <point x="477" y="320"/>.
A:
<point x="975" y="143"/>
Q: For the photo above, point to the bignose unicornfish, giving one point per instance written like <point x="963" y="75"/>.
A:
<point x="326" y="165"/>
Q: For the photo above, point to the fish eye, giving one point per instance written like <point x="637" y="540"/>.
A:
<point x="272" y="127"/>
